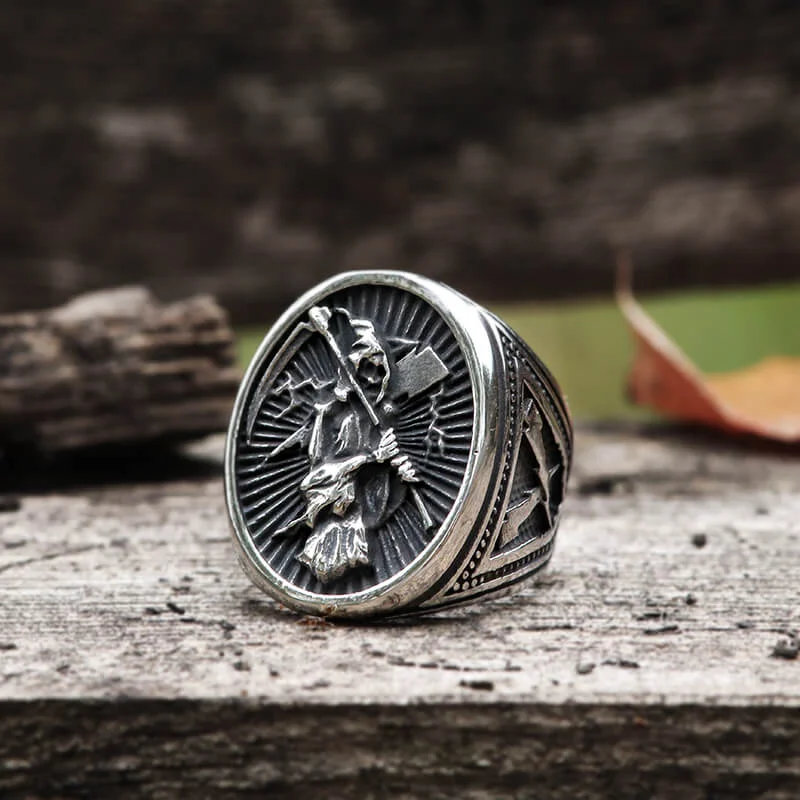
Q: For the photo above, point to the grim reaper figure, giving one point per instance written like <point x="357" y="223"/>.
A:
<point x="358" y="476"/>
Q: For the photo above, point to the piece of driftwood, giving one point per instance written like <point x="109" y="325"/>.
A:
<point x="504" y="146"/>
<point x="114" y="368"/>
<point x="655" y="659"/>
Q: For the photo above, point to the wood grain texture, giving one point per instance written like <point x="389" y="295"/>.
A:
<point x="114" y="368"/>
<point x="137" y="661"/>
<point x="504" y="146"/>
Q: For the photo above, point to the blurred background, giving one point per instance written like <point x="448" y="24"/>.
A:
<point x="249" y="148"/>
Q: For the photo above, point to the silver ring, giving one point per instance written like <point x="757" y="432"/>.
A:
<point x="394" y="448"/>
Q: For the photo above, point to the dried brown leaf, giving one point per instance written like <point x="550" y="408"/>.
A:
<point x="762" y="400"/>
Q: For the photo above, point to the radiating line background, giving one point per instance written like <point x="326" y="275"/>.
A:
<point x="269" y="492"/>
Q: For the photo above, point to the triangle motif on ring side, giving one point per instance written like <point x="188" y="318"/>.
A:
<point x="534" y="492"/>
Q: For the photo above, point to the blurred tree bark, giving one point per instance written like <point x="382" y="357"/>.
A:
<point x="114" y="368"/>
<point x="249" y="148"/>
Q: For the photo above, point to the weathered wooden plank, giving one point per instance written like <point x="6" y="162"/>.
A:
<point x="505" y="147"/>
<point x="114" y="368"/>
<point x="160" y="749"/>
<point x="136" y="660"/>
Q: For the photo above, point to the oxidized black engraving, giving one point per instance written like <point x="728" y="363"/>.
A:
<point x="356" y="440"/>
<point x="537" y="488"/>
<point x="519" y="536"/>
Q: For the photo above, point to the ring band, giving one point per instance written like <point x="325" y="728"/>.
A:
<point x="394" y="448"/>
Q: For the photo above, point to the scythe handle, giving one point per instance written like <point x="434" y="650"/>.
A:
<point x="320" y="319"/>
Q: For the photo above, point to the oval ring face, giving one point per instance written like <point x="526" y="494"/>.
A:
<point x="351" y="440"/>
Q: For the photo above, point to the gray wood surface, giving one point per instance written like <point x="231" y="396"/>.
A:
<point x="504" y="146"/>
<point x="654" y="659"/>
<point x="113" y="368"/>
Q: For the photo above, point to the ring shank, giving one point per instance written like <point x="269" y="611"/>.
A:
<point x="518" y="539"/>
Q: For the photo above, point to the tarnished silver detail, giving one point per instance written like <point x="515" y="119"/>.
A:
<point x="341" y="442"/>
<point x="417" y="372"/>
<point x="538" y="493"/>
<point x="394" y="449"/>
